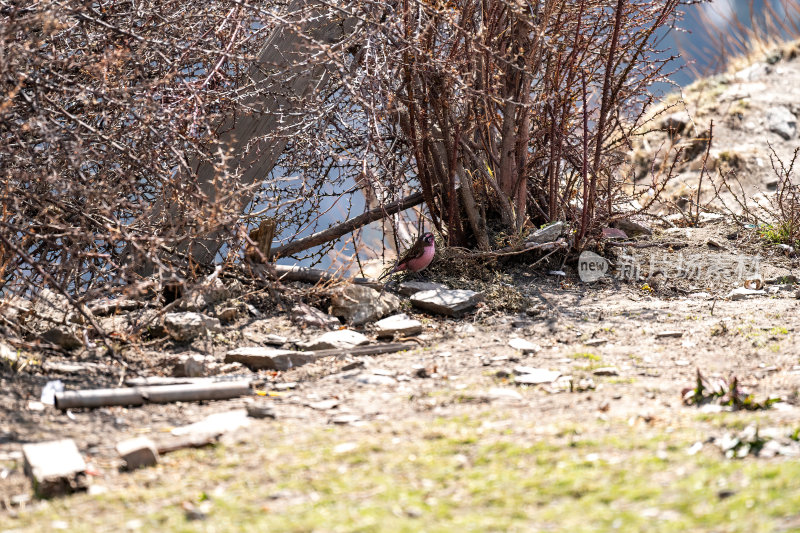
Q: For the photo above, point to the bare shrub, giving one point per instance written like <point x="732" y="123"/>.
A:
<point x="133" y="137"/>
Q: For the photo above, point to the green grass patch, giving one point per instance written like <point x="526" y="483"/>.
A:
<point x="453" y="474"/>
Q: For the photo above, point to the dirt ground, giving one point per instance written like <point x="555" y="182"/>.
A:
<point x="629" y="347"/>
<point x="626" y="346"/>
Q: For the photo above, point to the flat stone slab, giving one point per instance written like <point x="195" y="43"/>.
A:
<point x="407" y="288"/>
<point x="55" y="467"/>
<point x="398" y="325"/>
<point x="449" y="302"/>
<point x="342" y="338"/>
<point x="260" y="358"/>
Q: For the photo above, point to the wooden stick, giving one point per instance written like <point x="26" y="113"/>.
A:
<point x="347" y="226"/>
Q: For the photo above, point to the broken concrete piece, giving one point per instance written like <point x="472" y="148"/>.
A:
<point x="548" y="233"/>
<point x="343" y="338"/>
<point x="398" y="325"/>
<point x="407" y="288"/>
<point x="260" y="358"/>
<point x="447" y="302"/>
<point x="524" y="346"/>
<point x="55" y="467"/>
<point x="138" y="452"/>
<point x="358" y="304"/>
<point x="305" y="315"/>
<point x="184" y="327"/>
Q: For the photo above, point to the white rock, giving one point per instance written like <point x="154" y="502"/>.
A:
<point x="398" y="325"/>
<point x="535" y="376"/>
<point x="741" y="293"/>
<point x="524" y="346"/>
<point x="503" y="394"/>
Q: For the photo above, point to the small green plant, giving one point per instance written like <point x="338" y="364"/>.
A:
<point x="726" y="392"/>
<point x="586" y="355"/>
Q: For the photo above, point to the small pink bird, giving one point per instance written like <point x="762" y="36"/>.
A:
<point x="416" y="258"/>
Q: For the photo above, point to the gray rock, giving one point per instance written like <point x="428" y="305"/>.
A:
<point x="359" y="305"/>
<point x="260" y="411"/>
<point x="49" y="308"/>
<point x="548" y="234"/>
<point x="188" y="326"/>
<point x="342" y="338"/>
<point x="407" y="288"/>
<point x="676" y="122"/>
<point x="63" y="337"/>
<point x="524" y="346"/>
<point x="398" y="325"/>
<point x="633" y="228"/>
<point x="15" y="308"/>
<point x="55" y="467"/>
<point x="305" y="315"/>
<point x="449" y="302"/>
<point x="228" y="314"/>
<point x="194" y="365"/>
<point x="138" y="452"/>
<point x="782" y="121"/>
<point x="205" y="295"/>
<point x="259" y="358"/>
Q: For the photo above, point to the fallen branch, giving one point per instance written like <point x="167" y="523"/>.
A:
<point x="346" y="227"/>
<point x="648" y="244"/>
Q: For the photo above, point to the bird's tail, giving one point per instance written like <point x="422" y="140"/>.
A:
<point x="388" y="273"/>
